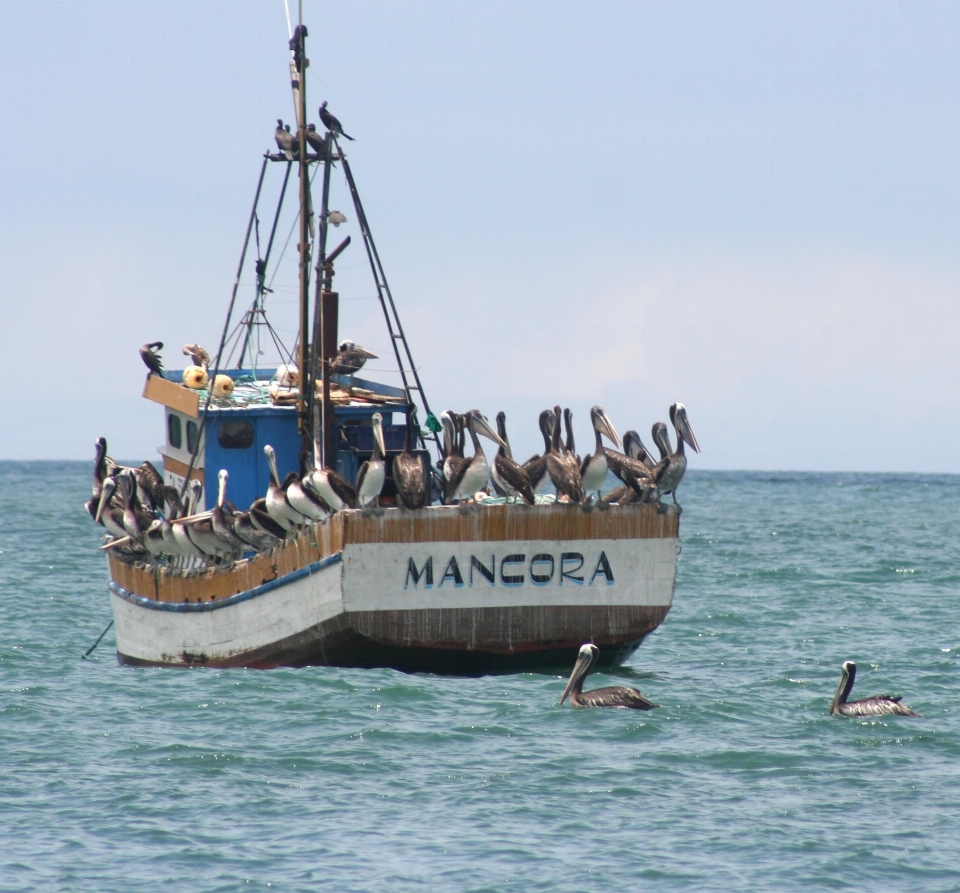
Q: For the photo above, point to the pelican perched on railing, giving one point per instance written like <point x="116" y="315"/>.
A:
<point x="611" y="696"/>
<point x="593" y="471"/>
<point x="277" y="503"/>
<point x="536" y="466"/>
<point x="408" y="472"/>
<point x="509" y="479"/>
<point x="563" y="468"/>
<point x="473" y="473"/>
<point x="670" y="474"/>
<point x="302" y="498"/>
<point x="878" y="705"/>
<point x="373" y="472"/>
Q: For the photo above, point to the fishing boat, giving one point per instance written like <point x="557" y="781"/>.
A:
<point x="478" y="587"/>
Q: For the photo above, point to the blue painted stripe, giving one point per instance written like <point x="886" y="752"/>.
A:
<point x="194" y="607"/>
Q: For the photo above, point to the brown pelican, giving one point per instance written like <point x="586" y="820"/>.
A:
<point x="350" y="358"/>
<point x="315" y="141"/>
<point x="110" y="515"/>
<point x="260" y="519"/>
<point x="453" y="457"/>
<point x="302" y="498"/>
<point x="472" y="474"/>
<point x="536" y="466"/>
<point x="593" y="471"/>
<point x="878" y="705"/>
<point x="334" y="490"/>
<point x="186" y="547"/>
<point x="331" y="123"/>
<point x="373" y="472"/>
<point x="408" y="472"/>
<point x="198" y="355"/>
<point x="288" y="144"/>
<point x="149" y="484"/>
<point x="612" y="696"/>
<point x="670" y="474"/>
<point x="509" y="479"/>
<point x="569" y="449"/>
<point x="222" y="522"/>
<point x="151" y="358"/>
<point x="563" y="468"/>
<point x="278" y="505"/>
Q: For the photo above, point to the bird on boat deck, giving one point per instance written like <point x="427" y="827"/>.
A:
<point x="288" y="144"/>
<point x="314" y="140"/>
<point x="149" y="484"/>
<point x="634" y="449"/>
<point x="277" y="503"/>
<point x="453" y="436"/>
<point x="612" y="696"/>
<point x="593" y="470"/>
<point x="350" y="358"/>
<point x="563" y="468"/>
<point x="186" y="546"/>
<point x="110" y="515"/>
<point x="631" y="471"/>
<point x="150" y="355"/>
<point x="259" y="519"/>
<point x="509" y="478"/>
<point x="137" y="517"/>
<point x="197" y="355"/>
<point x="301" y="497"/>
<point x="222" y="521"/>
<point x="373" y="472"/>
<point x="100" y="474"/>
<point x="471" y="475"/>
<point x="333" y="489"/>
<point x="331" y="122"/>
<point x="878" y="705"/>
<point x="409" y="475"/>
<point x="536" y="466"/>
<point x="569" y="449"/>
<point x="670" y="474"/>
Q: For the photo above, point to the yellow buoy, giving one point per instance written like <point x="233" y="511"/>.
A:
<point x="195" y="377"/>
<point x="222" y="386"/>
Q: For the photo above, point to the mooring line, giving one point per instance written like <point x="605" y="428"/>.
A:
<point x="86" y="654"/>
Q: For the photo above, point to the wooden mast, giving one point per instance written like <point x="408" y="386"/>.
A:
<point x="298" y="68"/>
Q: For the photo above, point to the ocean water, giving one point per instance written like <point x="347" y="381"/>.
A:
<point x="120" y="779"/>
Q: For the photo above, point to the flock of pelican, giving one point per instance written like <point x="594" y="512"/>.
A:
<point x="622" y="696"/>
<point x="574" y="478"/>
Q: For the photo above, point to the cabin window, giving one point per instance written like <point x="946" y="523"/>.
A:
<point x="193" y="437"/>
<point x="174" y="431"/>
<point x="235" y="435"/>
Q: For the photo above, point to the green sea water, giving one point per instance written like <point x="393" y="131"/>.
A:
<point x="122" y="779"/>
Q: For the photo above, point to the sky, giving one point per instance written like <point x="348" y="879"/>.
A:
<point x="751" y="208"/>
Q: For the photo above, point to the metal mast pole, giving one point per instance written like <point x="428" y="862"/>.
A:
<point x="299" y="84"/>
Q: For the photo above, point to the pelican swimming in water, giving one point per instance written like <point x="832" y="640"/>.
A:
<point x="350" y="358"/>
<point x="373" y="472"/>
<point x="878" y="705"/>
<point x="536" y="466"/>
<point x="472" y="474"/>
<point x="563" y="468"/>
<point x="670" y="474"/>
<point x="408" y="472"/>
<point x="593" y="471"/>
<point x="509" y="479"/>
<point x="612" y="696"/>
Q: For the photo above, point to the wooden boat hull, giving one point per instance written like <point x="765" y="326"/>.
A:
<point x="472" y="591"/>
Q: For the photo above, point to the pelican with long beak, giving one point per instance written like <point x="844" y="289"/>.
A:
<point x="334" y="490"/>
<point x="563" y="468"/>
<point x="669" y="476"/>
<point x="223" y="523"/>
<point x="453" y="457"/>
<point x="302" y="498"/>
<point x="593" y="471"/>
<point x="277" y="503"/>
<point x="188" y="548"/>
<point x="536" y="466"/>
<point x="509" y="478"/>
<point x="373" y="472"/>
<point x="878" y="705"/>
<point x="408" y="473"/>
<point x="472" y="475"/>
<point x="612" y="696"/>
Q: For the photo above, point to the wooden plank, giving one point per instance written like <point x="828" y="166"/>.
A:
<point x="177" y="467"/>
<point x="172" y="395"/>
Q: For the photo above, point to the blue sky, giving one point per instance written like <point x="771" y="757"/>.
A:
<point x="751" y="208"/>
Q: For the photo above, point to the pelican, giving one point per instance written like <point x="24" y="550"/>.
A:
<point x="878" y="705"/>
<point x="612" y="696"/>
<point x="149" y="485"/>
<point x="277" y="503"/>
<point x="223" y="524"/>
<point x="334" y="490"/>
<point x="669" y="476"/>
<point x="331" y="122"/>
<point x="287" y="143"/>
<point x="198" y="355"/>
<point x="350" y="358"/>
<point x="452" y="450"/>
<point x="302" y="498"/>
<point x="564" y="473"/>
<point x="569" y="449"/>
<point x="593" y="471"/>
<point x="151" y="358"/>
<point x="109" y="514"/>
<point x="536" y="466"/>
<point x="408" y="473"/>
<point x="187" y="547"/>
<point x="472" y="474"/>
<point x="373" y="472"/>
<point x="251" y="526"/>
<point x="509" y="478"/>
<point x="315" y="141"/>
